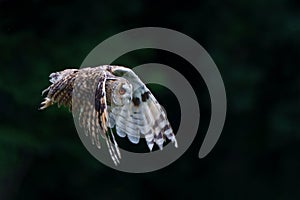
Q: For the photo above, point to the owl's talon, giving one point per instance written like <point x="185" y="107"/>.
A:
<point x="46" y="103"/>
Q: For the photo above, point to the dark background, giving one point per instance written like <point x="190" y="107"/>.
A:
<point x="255" y="45"/>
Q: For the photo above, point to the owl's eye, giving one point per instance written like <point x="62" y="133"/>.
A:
<point x="122" y="91"/>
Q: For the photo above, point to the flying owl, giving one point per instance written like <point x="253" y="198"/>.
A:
<point x="101" y="98"/>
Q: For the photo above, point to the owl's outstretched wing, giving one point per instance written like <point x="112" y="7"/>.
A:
<point x="143" y="115"/>
<point x="83" y="91"/>
<point x="90" y="108"/>
<point x="60" y="91"/>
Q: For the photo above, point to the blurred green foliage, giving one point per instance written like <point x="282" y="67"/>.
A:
<point x="254" y="43"/>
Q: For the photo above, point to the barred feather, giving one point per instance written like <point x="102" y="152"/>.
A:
<point x="107" y="96"/>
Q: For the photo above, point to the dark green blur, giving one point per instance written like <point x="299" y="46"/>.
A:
<point x="256" y="46"/>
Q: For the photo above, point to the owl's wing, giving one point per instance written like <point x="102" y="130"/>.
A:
<point x="83" y="91"/>
<point x="143" y="115"/>
<point x="60" y="91"/>
<point x="92" y="104"/>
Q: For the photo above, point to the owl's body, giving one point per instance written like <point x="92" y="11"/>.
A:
<point x="107" y="96"/>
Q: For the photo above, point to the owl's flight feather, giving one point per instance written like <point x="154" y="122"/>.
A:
<point x="106" y="96"/>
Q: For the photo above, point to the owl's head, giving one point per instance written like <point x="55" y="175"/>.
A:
<point x="122" y="92"/>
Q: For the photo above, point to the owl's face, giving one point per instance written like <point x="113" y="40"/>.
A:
<point x="122" y="92"/>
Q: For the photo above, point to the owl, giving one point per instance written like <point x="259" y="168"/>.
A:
<point x="101" y="98"/>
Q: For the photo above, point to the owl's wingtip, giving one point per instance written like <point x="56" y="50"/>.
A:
<point x="175" y="143"/>
<point x="150" y="146"/>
